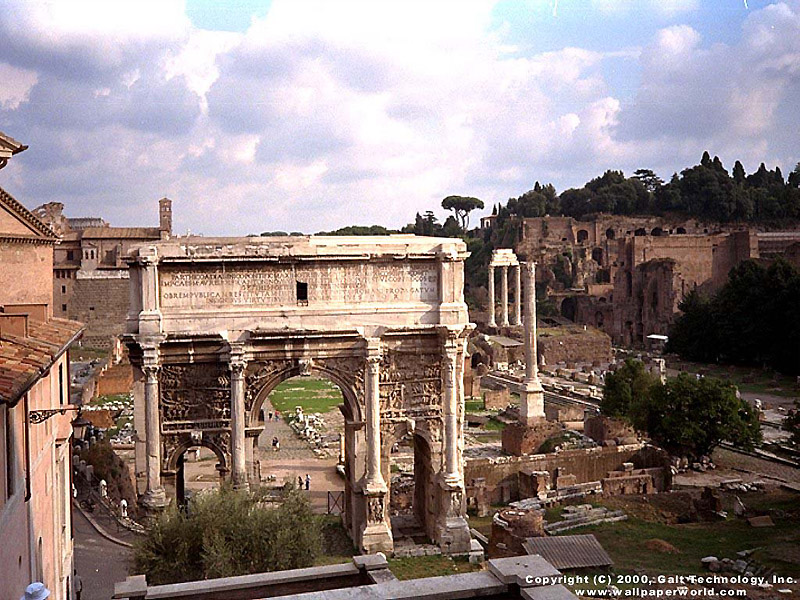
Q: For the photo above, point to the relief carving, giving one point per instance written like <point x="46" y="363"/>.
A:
<point x="258" y="374"/>
<point x="375" y="510"/>
<point x="410" y="385"/>
<point x="196" y="392"/>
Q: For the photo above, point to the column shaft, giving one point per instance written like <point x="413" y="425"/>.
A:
<point x="517" y="295"/>
<point x="532" y="409"/>
<point x="504" y="294"/>
<point x="374" y="478"/>
<point x="452" y="474"/>
<point x="154" y="493"/>
<point x="238" y="451"/>
<point x="492" y="322"/>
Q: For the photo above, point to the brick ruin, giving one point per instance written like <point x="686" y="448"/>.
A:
<point x="626" y="275"/>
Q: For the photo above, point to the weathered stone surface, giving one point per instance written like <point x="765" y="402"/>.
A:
<point x="519" y="439"/>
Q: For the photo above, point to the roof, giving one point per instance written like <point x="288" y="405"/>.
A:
<point x="37" y="227"/>
<point x="569" y="551"/>
<point x="24" y="359"/>
<point x="143" y="233"/>
<point x="9" y="147"/>
<point x="505" y="342"/>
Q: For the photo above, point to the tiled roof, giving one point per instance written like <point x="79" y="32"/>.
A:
<point x="146" y="233"/>
<point x="27" y="216"/>
<point x="23" y="359"/>
<point x="569" y="551"/>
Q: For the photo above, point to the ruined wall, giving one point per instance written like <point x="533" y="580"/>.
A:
<point x="587" y="465"/>
<point x="578" y="345"/>
<point x="102" y="304"/>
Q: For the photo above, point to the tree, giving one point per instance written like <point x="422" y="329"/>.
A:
<point x="462" y="206"/>
<point x="690" y="417"/>
<point x="628" y="386"/>
<point x="649" y="179"/>
<point x="226" y="533"/>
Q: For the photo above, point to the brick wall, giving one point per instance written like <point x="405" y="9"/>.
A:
<point x="102" y="304"/>
<point x="587" y="465"/>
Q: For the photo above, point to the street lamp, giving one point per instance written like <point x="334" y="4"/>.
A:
<point x="79" y="425"/>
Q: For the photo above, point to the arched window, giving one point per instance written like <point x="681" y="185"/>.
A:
<point x="583" y="235"/>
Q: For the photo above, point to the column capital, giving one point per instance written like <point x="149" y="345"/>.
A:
<point x="151" y="371"/>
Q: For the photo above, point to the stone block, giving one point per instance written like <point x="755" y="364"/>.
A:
<point x="519" y="440"/>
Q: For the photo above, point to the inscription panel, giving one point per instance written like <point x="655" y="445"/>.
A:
<point x="207" y="287"/>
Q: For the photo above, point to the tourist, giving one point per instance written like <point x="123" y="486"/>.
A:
<point x="277" y="417"/>
<point x="270" y="415"/>
<point x="274" y="444"/>
<point x="36" y="591"/>
<point x="299" y="482"/>
<point x="123" y="508"/>
<point x="78" y="583"/>
<point x="308" y="481"/>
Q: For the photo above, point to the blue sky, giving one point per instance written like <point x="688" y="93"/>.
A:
<point x="314" y="114"/>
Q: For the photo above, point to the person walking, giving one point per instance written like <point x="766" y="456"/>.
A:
<point x="308" y="481"/>
<point x="275" y="444"/>
<point x="78" y="583"/>
<point x="299" y="482"/>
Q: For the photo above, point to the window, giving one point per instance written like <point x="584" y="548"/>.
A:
<point x="70" y="255"/>
<point x="63" y="289"/>
<point x="61" y="384"/>
<point x="63" y="308"/>
<point x="302" y="293"/>
<point x="10" y="463"/>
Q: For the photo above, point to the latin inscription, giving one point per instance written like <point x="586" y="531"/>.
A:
<point x="275" y="285"/>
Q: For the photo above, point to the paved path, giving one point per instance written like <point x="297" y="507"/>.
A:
<point x="100" y="562"/>
<point x="292" y="447"/>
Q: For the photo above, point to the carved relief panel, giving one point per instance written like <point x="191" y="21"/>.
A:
<point x="411" y="385"/>
<point x="194" y="394"/>
<point x="258" y="375"/>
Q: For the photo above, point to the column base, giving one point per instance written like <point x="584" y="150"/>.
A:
<point x="531" y="410"/>
<point x="377" y="537"/>
<point x="241" y="486"/>
<point x="154" y="501"/>
<point x="453" y="536"/>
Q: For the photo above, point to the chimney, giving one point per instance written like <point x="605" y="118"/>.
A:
<point x="165" y="216"/>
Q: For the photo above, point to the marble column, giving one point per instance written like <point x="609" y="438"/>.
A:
<point x="504" y="294"/>
<point x="376" y="534"/>
<point x="517" y="295"/>
<point x="373" y="478"/>
<point x="492" y="322"/>
<point x="237" y="366"/>
<point x="532" y="394"/>
<point x="154" y="496"/>
<point x="450" y="404"/>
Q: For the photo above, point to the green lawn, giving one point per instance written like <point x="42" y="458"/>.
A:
<point x="114" y="398"/>
<point x="473" y="405"/>
<point x="430" y="566"/>
<point x="777" y="547"/>
<point x="315" y="395"/>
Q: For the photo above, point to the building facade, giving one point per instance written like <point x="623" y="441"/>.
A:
<point x="90" y="278"/>
<point x="35" y="457"/>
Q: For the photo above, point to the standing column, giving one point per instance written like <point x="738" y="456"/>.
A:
<point x="237" y="366"/>
<point x="492" y="322"/>
<point x="504" y="293"/>
<point x="517" y="295"/>
<point x="154" y="497"/>
<point x="452" y="475"/>
<point x="374" y="478"/>
<point x="532" y="395"/>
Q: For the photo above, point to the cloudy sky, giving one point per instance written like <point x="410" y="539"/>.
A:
<point x="311" y="115"/>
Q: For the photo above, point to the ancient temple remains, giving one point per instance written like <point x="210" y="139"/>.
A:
<point x="505" y="258"/>
<point x="216" y="323"/>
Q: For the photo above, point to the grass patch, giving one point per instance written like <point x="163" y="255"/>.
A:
<point x="494" y="425"/>
<point x="315" y="395"/>
<point x="473" y="405"/>
<point x="626" y="542"/>
<point x="415" y="567"/>
<point x="110" y="399"/>
<point x="337" y="547"/>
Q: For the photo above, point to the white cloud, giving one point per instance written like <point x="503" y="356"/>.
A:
<point x="15" y="85"/>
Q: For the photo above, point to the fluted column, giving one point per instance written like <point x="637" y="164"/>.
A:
<point x="154" y="496"/>
<point x="504" y="294"/>
<point x="517" y="295"/>
<point x="237" y="366"/>
<point x="452" y="352"/>
<point x="532" y="395"/>
<point x="492" y="322"/>
<point x="374" y="478"/>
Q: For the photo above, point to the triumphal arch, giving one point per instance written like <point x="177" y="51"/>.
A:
<point x="216" y="323"/>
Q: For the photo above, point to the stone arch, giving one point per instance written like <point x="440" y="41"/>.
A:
<point x="640" y="232"/>
<point x="597" y="255"/>
<point x="680" y="230"/>
<point x="352" y="405"/>
<point x="582" y="236"/>
<point x="185" y="442"/>
<point x="610" y="233"/>
<point x="657" y="232"/>
<point x="569" y="307"/>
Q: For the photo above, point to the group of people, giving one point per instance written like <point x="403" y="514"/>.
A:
<point x="307" y="481"/>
